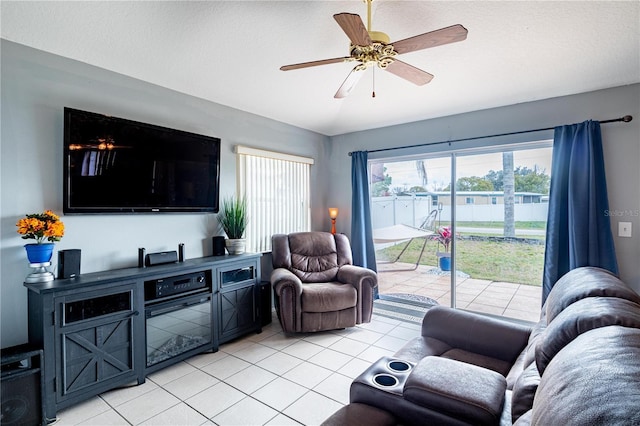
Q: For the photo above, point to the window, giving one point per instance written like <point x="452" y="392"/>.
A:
<point x="277" y="187"/>
<point x="515" y="262"/>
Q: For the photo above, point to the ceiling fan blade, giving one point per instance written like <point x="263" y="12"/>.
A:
<point x="313" y="63"/>
<point x="349" y="83"/>
<point x="435" y="38"/>
<point x="409" y="72"/>
<point x="352" y="25"/>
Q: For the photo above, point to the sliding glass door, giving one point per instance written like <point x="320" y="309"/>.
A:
<point x="476" y="245"/>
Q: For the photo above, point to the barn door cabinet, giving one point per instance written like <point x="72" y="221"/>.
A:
<point x="237" y="299"/>
<point x="93" y="340"/>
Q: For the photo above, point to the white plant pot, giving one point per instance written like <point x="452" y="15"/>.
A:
<point x="235" y="246"/>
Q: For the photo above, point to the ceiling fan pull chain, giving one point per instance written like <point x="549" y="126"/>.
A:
<point x="373" y="94"/>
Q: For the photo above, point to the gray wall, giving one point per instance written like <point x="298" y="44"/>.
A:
<point x="35" y="87"/>
<point x="621" y="150"/>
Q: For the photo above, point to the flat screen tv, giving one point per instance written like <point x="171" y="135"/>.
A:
<point x="114" y="165"/>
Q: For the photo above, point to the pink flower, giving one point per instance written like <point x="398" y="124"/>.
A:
<point x="443" y="235"/>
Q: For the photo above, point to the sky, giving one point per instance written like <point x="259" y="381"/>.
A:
<point x="439" y="171"/>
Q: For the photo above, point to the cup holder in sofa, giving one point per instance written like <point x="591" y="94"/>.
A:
<point x="387" y="375"/>
<point x="399" y="366"/>
<point x="385" y="380"/>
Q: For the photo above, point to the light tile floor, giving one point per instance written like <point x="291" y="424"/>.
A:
<point x="511" y="300"/>
<point x="262" y="379"/>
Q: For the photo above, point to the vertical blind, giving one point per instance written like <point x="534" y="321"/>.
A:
<point x="277" y="189"/>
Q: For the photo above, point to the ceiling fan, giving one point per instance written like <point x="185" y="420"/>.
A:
<point x="370" y="48"/>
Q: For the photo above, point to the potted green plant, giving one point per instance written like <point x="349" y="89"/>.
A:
<point x="232" y="218"/>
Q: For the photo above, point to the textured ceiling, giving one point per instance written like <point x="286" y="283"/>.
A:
<point x="230" y="52"/>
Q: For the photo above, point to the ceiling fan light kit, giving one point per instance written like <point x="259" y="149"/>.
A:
<point x="370" y="48"/>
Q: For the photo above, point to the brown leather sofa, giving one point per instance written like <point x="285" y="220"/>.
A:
<point x="315" y="285"/>
<point x="579" y="365"/>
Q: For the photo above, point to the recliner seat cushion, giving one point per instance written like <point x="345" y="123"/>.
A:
<point x="328" y="297"/>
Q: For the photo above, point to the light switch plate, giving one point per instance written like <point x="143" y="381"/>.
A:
<point x="624" y="229"/>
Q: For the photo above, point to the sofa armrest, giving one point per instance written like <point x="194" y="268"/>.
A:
<point x="457" y="389"/>
<point x="476" y="333"/>
<point x="288" y="289"/>
<point x="365" y="282"/>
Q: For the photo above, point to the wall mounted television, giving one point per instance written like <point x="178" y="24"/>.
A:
<point x="114" y="165"/>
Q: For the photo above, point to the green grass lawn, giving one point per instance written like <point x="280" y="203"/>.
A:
<point x="513" y="262"/>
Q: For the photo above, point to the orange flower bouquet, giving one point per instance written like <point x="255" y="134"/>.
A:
<point x="41" y="227"/>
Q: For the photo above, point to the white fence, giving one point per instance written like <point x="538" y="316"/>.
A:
<point x="411" y="210"/>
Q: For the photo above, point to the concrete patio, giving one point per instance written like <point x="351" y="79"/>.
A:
<point x="511" y="300"/>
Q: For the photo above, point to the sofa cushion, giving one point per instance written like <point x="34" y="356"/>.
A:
<point x="457" y="389"/>
<point x="524" y="391"/>
<point x="530" y="351"/>
<point x="524" y="420"/>
<point x="419" y="347"/>
<point x="594" y="380"/>
<point x="483" y="361"/>
<point x="585" y="282"/>
<point x="580" y="317"/>
<point x="328" y="297"/>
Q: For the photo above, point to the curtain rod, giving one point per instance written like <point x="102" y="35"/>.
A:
<point x="626" y="119"/>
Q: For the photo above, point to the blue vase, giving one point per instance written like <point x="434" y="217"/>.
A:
<point x="39" y="253"/>
<point x="445" y="263"/>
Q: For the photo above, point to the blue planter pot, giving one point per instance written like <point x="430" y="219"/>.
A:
<point x="445" y="263"/>
<point x="39" y="253"/>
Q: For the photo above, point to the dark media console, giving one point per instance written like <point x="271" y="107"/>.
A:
<point x="103" y="330"/>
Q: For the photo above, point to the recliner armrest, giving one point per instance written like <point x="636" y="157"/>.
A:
<point x="476" y="333"/>
<point x="281" y="277"/>
<point x="365" y="282"/>
<point x="356" y="275"/>
<point x="287" y="288"/>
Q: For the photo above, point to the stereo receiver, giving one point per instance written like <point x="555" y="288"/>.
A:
<point x="164" y="287"/>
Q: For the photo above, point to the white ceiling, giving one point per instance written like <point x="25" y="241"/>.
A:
<point x="230" y="52"/>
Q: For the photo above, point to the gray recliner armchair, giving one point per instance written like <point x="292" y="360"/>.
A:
<point x="315" y="285"/>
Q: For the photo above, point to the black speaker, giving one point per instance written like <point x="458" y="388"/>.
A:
<point x="68" y="263"/>
<point x="264" y="292"/>
<point x="218" y="246"/>
<point x="21" y="388"/>
<point x="141" y="256"/>
<point x="161" y="258"/>
<point x="181" y="252"/>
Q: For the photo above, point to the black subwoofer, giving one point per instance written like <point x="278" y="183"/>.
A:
<point x="21" y="383"/>
<point x="265" y="302"/>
